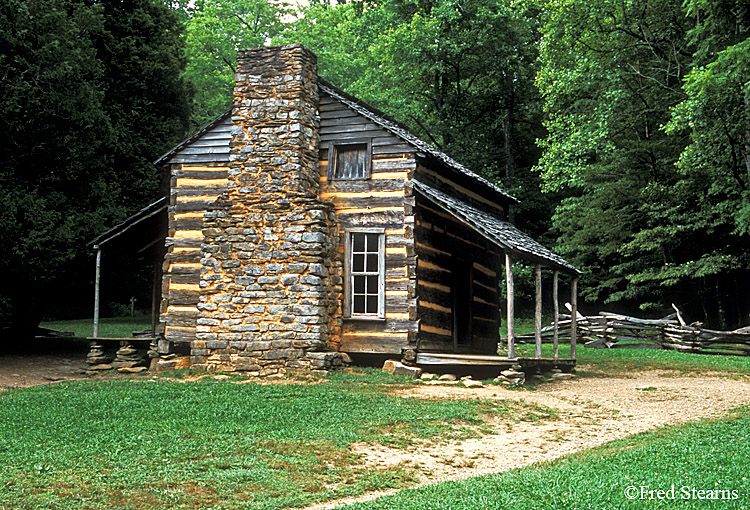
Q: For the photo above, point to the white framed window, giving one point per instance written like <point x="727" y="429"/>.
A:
<point x="365" y="274"/>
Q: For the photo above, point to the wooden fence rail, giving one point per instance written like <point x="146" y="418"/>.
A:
<point x="621" y="331"/>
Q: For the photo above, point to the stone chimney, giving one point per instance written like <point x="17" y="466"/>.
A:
<point x="269" y="289"/>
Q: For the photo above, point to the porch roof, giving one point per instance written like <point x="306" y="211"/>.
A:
<point x="501" y="233"/>
<point x="137" y="232"/>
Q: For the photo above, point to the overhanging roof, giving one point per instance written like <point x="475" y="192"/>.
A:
<point x="139" y="230"/>
<point x="501" y="233"/>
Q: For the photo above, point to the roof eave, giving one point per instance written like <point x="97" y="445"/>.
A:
<point x="145" y="213"/>
<point x="164" y="158"/>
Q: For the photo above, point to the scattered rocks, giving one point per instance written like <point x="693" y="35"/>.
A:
<point x="447" y="377"/>
<point x="436" y="382"/>
<point x="131" y="370"/>
<point x="397" y="368"/>
<point x="427" y="376"/>
<point x="471" y="383"/>
<point x="562" y="377"/>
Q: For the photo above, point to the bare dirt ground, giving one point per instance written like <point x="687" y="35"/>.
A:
<point x="590" y="411"/>
<point x="42" y="362"/>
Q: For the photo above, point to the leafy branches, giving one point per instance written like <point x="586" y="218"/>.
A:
<point x="655" y="215"/>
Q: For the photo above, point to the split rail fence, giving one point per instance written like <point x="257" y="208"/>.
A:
<point x="621" y="331"/>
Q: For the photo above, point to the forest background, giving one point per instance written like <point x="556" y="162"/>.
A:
<point x="623" y="126"/>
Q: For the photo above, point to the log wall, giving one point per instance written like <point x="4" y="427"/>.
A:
<point x="193" y="188"/>
<point x="383" y="201"/>
<point x="442" y="245"/>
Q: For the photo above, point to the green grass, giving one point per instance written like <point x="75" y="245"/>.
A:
<point x="708" y="455"/>
<point x="210" y="444"/>
<point x="636" y="360"/>
<point x="113" y="327"/>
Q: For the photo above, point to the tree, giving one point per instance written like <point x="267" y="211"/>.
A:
<point x="215" y="30"/>
<point x="716" y="109"/>
<point x="89" y="94"/>
<point x="647" y="234"/>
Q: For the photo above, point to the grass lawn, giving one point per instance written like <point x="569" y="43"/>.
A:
<point x="705" y="456"/>
<point x="113" y="327"/>
<point x="631" y="360"/>
<point x="214" y="444"/>
<point x="604" y="361"/>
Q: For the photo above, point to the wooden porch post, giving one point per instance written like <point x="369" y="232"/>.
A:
<point x="510" y="308"/>
<point x="538" y="311"/>
<point x="555" y="304"/>
<point x="155" y="296"/>
<point x="573" y="316"/>
<point x="96" y="290"/>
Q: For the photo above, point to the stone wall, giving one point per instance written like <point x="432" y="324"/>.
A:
<point x="270" y="282"/>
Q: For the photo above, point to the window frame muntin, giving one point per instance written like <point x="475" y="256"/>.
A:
<point x="332" y="150"/>
<point x="348" y="275"/>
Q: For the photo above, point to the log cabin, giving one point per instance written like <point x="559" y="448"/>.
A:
<point x="304" y="223"/>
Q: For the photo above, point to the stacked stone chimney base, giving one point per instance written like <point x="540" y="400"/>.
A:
<point x="271" y="279"/>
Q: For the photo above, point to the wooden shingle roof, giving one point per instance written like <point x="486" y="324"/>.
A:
<point x="501" y="233"/>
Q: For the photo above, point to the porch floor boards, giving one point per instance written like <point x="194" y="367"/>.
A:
<point x="486" y="360"/>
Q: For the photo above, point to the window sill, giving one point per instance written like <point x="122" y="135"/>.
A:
<point x="370" y="318"/>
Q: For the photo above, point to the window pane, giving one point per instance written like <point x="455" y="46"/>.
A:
<point x="358" y="242"/>
<point x="350" y="161"/>
<point x="372" y="304"/>
<point x="359" y="283"/>
<point x="359" y="304"/>
<point x="372" y="243"/>
<point x="372" y="263"/>
<point x="358" y="263"/>
<point x="372" y="285"/>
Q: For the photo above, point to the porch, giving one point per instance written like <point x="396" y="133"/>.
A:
<point x="483" y="241"/>
<point x="142" y="234"/>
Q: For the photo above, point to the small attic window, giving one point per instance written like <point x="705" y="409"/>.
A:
<point x="350" y="159"/>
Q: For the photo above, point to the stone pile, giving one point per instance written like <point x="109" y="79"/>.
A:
<point x="514" y="376"/>
<point x="127" y="360"/>
<point x="96" y="355"/>
<point x="96" y="359"/>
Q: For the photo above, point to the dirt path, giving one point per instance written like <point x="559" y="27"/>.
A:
<point x="592" y="411"/>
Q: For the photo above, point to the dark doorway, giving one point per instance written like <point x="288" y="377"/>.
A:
<point x="463" y="277"/>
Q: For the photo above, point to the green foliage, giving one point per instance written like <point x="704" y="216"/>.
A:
<point x="90" y="95"/>
<point x="646" y="232"/>
<point x="708" y="455"/>
<point x="212" y="444"/>
<point x="215" y="30"/>
<point x="716" y="110"/>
